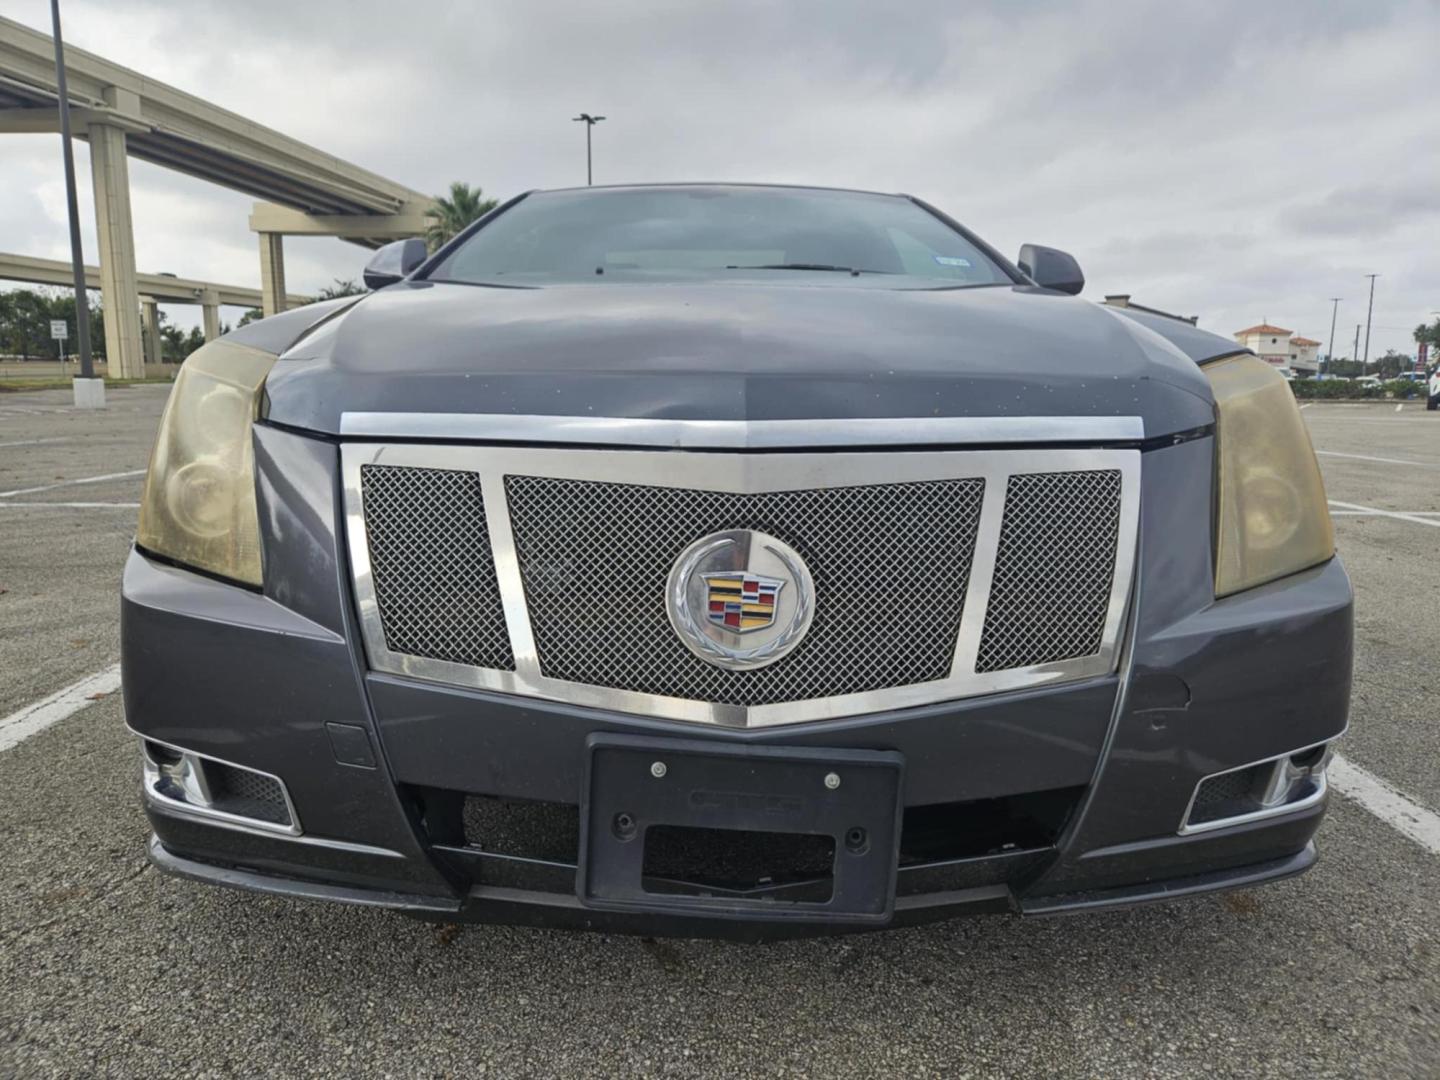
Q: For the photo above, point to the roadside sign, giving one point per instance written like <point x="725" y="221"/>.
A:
<point x="59" y="329"/>
<point x="1422" y="357"/>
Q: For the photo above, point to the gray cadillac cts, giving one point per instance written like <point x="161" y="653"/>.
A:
<point x="737" y="560"/>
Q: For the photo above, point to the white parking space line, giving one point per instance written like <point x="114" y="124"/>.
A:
<point x="1339" y="419"/>
<point x="19" y="726"/>
<point x="1306" y="405"/>
<point x="1400" y="813"/>
<point x="1399" y="407"/>
<point x="1370" y="511"/>
<point x="73" y="505"/>
<point x="72" y="483"/>
<point x="1381" y="460"/>
<point x="35" y="442"/>
<point x="1357" y="513"/>
<point x="1350" y="513"/>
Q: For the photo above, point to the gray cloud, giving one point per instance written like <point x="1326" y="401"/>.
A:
<point x="1234" y="159"/>
<point x="1368" y="210"/>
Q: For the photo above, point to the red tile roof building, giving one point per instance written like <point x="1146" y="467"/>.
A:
<point x="1278" y="346"/>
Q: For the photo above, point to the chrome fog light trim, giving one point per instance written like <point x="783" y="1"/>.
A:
<point x="178" y="780"/>
<point x="1297" y="781"/>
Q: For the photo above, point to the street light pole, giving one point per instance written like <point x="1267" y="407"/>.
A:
<point x="589" y="122"/>
<point x="1330" y="345"/>
<point x="1357" y="347"/>
<point x="77" y="261"/>
<point x="1368" y="311"/>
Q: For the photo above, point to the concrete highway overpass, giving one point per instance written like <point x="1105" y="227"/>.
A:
<point x="154" y="289"/>
<point x="123" y="113"/>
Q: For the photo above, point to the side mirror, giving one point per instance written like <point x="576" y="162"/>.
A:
<point x="393" y="262"/>
<point x="1051" y="268"/>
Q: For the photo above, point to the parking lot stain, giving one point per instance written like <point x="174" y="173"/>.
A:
<point x="1241" y="903"/>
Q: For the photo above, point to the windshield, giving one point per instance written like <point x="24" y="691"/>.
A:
<point x="717" y="233"/>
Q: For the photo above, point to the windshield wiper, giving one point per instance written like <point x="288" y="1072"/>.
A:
<point x="852" y="271"/>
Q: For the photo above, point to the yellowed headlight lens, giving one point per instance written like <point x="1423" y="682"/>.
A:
<point x="1272" y="516"/>
<point x="199" y="502"/>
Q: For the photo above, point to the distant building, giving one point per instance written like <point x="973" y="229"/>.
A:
<point x="1270" y="343"/>
<point x="1123" y="300"/>
<point x="1304" y="355"/>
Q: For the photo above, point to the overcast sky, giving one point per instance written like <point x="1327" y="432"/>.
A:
<point x="1236" y="160"/>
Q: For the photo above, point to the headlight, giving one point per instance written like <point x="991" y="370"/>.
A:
<point x="1272" y="516"/>
<point x="199" y="501"/>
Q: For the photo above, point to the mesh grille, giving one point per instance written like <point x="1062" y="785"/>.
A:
<point x="1230" y="793"/>
<point x="249" y="794"/>
<point x="433" y="567"/>
<point x="1053" y="569"/>
<point x="890" y="564"/>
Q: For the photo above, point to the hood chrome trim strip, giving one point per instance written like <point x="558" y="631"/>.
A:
<point x="660" y="433"/>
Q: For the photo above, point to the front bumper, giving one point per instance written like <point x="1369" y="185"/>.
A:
<point x="1061" y="799"/>
<point x="519" y="907"/>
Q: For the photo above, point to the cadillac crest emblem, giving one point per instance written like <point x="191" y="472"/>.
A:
<point x="740" y="599"/>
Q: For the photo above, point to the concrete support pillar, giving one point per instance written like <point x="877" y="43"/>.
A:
<point x="210" y="305"/>
<point x="150" y="329"/>
<point x="119" y="295"/>
<point x="272" y="273"/>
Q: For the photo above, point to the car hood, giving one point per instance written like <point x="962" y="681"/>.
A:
<point x="733" y="351"/>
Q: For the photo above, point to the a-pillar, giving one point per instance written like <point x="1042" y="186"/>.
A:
<point x="272" y="273"/>
<point x="119" y="295"/>
<point x="210" y="306"/>
<point x="150" y="328"/>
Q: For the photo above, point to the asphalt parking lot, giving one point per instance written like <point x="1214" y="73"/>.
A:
<point x="108" y="967"/>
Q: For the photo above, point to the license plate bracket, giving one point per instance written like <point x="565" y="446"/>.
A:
<point x="704" y="785"/>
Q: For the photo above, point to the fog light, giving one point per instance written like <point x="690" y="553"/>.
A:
<point x="175" y="775"/>
<point x="1263" y="789"/>
<point x="185" y="782"/>
<point x="162" y="754"/>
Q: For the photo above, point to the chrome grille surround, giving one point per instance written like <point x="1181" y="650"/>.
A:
<point x="713" y="473"/>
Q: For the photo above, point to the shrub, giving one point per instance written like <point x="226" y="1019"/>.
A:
<point x="1334" y="388"/>
<point x="1401" y="388"/>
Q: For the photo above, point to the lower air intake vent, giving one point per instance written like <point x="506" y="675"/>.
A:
<point x="1231" y="794"/>
<point x="186" y="782"/>
<point x="523" y="829"/>
<point x="248" y="794"/>
<point x="1279" y="785"/>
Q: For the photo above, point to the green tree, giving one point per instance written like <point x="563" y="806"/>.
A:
<point x="177" y="344"/>
<point x="62" y="306"/>
<point x="452" y="213"/>
<point x="339" y="289"/>
<point x="1392" y="364"/>
<point x="24" y="332"/>
<point x="250" y="316"/>
<point x="1429" y="335"/>
<point x="25" y="316"/>
<point x="172" y="341"/>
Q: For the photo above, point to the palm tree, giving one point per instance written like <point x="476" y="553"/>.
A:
<point x="450" y="215"/>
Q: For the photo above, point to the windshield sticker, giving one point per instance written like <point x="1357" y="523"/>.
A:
<point x="952" y="260"/>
